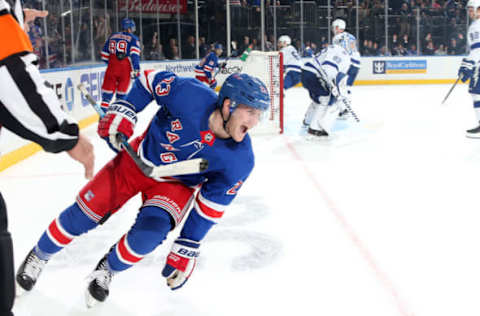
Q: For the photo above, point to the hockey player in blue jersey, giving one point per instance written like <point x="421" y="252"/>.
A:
<point x="207" y="68"/>
<point x="192" y="122"/>
<point x="324" y="76"/>
<point x="121" y="52"/>
<point x="292" y="63"/>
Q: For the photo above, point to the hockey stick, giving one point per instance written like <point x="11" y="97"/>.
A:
<point x="220" y="69"/>
<point x="450" y="91"/>
<point x="340" y="97"/>
<point x="174" y="169"/>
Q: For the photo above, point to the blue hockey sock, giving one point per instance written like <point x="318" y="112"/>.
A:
<point x="71" y="223"/>
<point x="149" y="231"/>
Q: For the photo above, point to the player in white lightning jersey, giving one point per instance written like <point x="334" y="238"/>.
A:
<point x="325" y="78"/>
<point x="292" y="64"/>
<point x="349" y="43"/>
<point x="469" y="68"/>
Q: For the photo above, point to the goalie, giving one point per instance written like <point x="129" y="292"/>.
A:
<point x="324" y="76"/>
<point x="192" y="122"/>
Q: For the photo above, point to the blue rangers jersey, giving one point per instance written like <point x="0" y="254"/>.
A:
<point x="206" y="67"/>
<point x="122" y="45"/>
<point x="180" y="131"/>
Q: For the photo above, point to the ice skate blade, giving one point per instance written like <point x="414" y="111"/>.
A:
<point x="90" y="301"/>
<point x="19" y="291"/>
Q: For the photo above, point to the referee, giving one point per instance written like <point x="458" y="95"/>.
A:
<point x="31" y="110"/>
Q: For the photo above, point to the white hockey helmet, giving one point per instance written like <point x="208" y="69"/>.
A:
<point x="338" y="23"/>
<point x="474" y="4"/>
<point x="285" y="39"/>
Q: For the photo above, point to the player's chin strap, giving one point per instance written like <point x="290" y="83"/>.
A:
<point x="232" y="107"/>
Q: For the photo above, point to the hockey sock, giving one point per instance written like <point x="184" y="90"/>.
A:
<point x="476" y="106"/>
<point x="149" y="231"/>
<point x="62" y="230"/>
<point x="106" y="98"/>
<point x="7" y="284"/>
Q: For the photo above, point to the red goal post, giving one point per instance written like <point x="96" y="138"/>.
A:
<point x="268" y="66"/>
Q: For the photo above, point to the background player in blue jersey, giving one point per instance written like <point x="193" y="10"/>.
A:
<point x="192" y="122"/>
<point x="205" y="71"/>
<point x="122" y="54"/>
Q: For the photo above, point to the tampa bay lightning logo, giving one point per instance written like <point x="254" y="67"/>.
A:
<point x="378" y="66"/>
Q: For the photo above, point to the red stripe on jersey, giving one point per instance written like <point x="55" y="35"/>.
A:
<point x="210" y="212"/>
<point x="56" y="233"/>
<point x="135" y="50"/>
<point x="178" y="262"/>
<point x="125" y="253"/>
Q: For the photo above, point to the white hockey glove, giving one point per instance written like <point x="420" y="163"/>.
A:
<point x="119" y="119"/>
<point x="466" y="69"/>
<point x="180" y="262"/>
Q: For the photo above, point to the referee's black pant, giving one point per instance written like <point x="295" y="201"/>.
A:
<point x="7" y="283"/>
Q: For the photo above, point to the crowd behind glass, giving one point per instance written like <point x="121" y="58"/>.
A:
<point x="75" y="30"/>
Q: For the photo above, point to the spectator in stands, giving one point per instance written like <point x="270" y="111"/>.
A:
<point x="189" y="50"/>
<point x="383" y="51"/>
<point x="394" y="41"/>
<point x="461" y="43"/>
<point x="156" y="50"/>
<point x="412" y="51"/>
<point x="405" y="40"/>
<point x="234" y="50"/>
<point x="453" y="48"/>
<point x="171" y="48"/>
<point x="440" y="51"/>
<point x="405" y="14"/>
<point x="203" y="47"/>
<point x="175" y="53"/>
<point x="429" y="49"/>
<point x="399" y="50"/>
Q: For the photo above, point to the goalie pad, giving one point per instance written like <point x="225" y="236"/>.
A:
<point x="324" y="117"/>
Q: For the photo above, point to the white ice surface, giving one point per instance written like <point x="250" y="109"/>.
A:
<point x="381" y="220"/>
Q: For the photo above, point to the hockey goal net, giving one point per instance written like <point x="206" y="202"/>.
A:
<point x="268" y="66"/>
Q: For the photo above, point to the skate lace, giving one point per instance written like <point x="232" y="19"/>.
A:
<point x="102" y="276"/>
<point x="34" y="266"/>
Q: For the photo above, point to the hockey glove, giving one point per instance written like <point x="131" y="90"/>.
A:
<point x="180" y="262"/>
<point x="466" y="69"/>
<point x="134" y="74"/>
<point x="213" y="84"/>
<point x="119" y="119"/>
